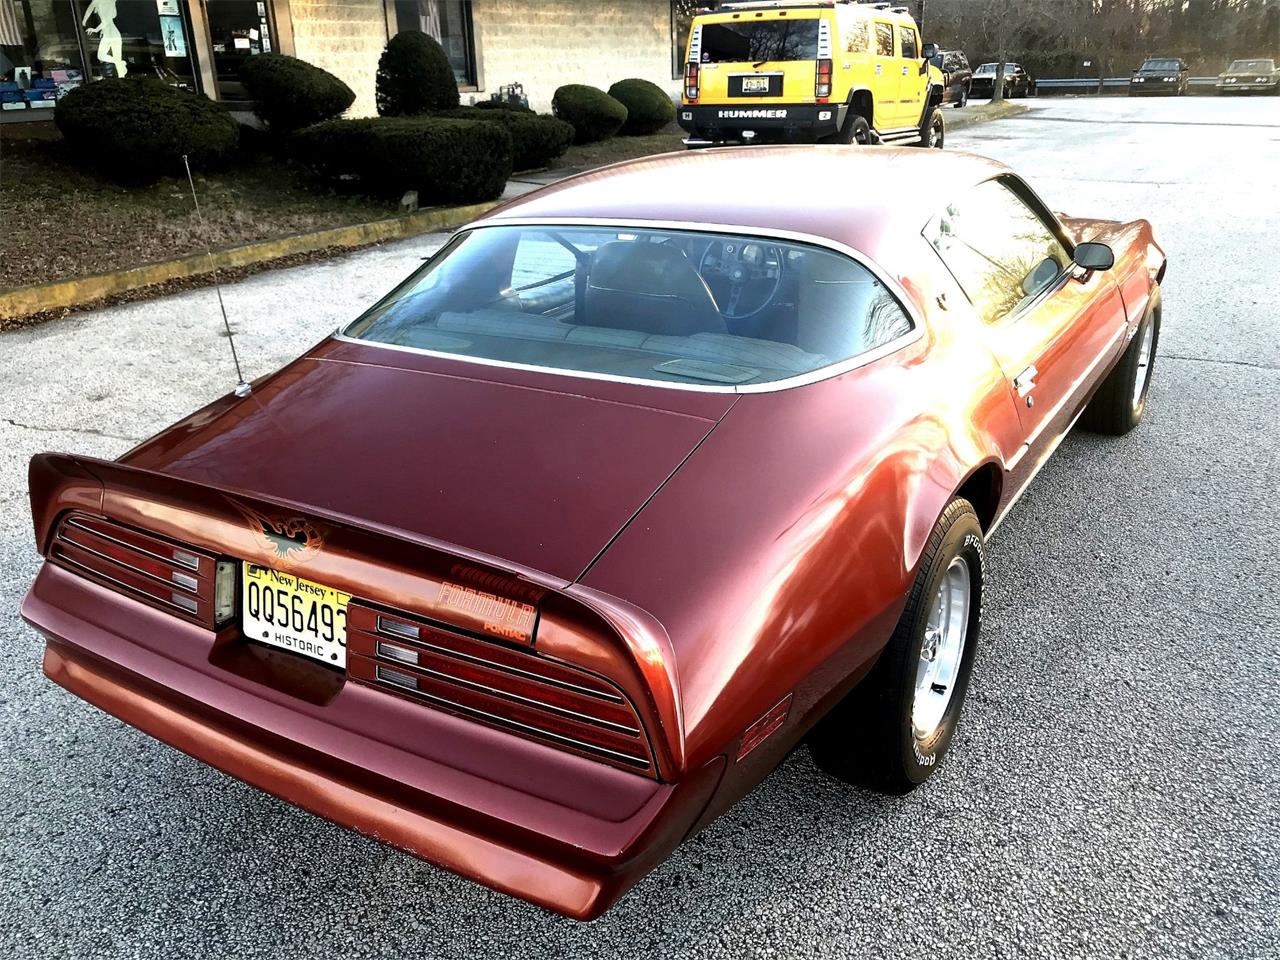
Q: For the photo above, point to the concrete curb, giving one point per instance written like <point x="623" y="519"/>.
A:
<point x="80" y="292"/>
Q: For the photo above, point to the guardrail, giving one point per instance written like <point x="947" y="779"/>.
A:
<point x="1111" y="85"/>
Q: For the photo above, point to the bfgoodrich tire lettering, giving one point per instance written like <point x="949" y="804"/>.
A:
<point x="870" y="738"/>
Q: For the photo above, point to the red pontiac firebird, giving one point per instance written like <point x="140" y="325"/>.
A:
<point x="549" y="557"/>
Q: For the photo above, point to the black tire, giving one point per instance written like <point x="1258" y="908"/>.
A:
<point x="1119" y="403"/>
<point x="855" y="130"/>
<point x="933" y="133"/>
<point x="868" y="738"/>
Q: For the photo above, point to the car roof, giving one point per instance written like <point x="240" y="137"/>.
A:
<point x="853" y="195"/>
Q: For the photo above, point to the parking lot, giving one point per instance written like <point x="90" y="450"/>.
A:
<point x="1114" y="791"/>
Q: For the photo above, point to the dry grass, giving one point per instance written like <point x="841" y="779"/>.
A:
<point x="60" y="221"/>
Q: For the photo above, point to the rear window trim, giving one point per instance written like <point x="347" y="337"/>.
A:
<point x="895" y="290"/>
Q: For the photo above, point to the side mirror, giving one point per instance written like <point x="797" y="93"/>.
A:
<point x="929" y="51"/>
<point x="1094" y="256"/>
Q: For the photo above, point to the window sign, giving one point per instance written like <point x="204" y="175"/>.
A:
<point x="174" y="40"/>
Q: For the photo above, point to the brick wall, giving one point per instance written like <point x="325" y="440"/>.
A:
<point x="346" y="38"/>
<point x="545" y="43"/>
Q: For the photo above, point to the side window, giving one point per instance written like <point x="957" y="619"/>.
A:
<point x="998" y="248"/>
<point x="884" y="39"/>
<point x="909" y="48"/>
<point x="858" y="38"/>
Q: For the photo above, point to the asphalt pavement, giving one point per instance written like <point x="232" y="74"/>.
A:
<point x="1113" y="791"/>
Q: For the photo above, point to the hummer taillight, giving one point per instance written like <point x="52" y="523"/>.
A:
<point x="691" y="81"/>
<point x="822" y="83"/>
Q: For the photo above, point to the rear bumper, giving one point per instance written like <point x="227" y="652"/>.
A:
<point x="565" y="833"/>
<point x="774" y="121"/>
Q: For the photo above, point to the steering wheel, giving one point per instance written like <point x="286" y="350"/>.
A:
<point x="744" y="276"/>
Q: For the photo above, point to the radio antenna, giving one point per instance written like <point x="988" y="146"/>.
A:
<point x="242" y="389"/>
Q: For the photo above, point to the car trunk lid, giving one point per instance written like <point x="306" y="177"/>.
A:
<point x="537" y="477"/>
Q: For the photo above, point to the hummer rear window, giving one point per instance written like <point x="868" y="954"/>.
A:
<point x="761" y="41"/>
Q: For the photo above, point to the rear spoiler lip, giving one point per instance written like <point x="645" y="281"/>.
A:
<point x="643" y="639"/>
<point x="100" y="470"/>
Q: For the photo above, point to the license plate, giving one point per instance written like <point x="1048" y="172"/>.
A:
<point x="286" y="611"/>
<point x="755" y="84"/>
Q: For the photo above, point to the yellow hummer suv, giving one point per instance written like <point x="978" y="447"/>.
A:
<point x="834" y="71"/>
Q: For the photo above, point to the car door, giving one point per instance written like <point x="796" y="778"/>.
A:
<point x="912" y="81"/>
<point x="1052" y="327"/>
<point x="888" y="76"/>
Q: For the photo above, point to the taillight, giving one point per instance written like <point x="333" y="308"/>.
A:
<point x="176" y="578"/>
<point x="510" y="688"/>
<point x="822" y="84"/>
<point x="691" y="81"/>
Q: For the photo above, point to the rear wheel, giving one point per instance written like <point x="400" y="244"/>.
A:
<point x="892" y="730"/>
<point x="855" y="130"/>
<point x="1118" y="405"/>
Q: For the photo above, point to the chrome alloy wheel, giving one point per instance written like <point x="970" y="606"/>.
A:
<point x="942" y="650"/>
<point x="1143" y="372"/>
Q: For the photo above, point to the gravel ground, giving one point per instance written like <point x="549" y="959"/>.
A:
<point x="1114" y="790"/>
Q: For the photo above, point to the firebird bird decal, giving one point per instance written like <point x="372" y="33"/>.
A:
<point x="287" y="538"/>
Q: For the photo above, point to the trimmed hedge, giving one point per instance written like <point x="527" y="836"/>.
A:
<point x="502" y="105"/>
<point x="289" y="94"/>
<point x="136" y="129"/>
<point x="593" y="113"/>
<point x="414" y="76"/>
<point x="445" y="160"/>
<point x="536" y="140"/>
<point x="649" y="109"/>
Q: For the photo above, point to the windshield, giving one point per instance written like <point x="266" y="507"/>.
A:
<point x="650" y="304"/>
<point x="764" y="41"/>
<point x="989" y="70"/>
<point x="1159" y="65"/>
<point x="1251" y="66"/>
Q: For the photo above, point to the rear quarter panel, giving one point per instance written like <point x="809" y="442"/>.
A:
<point x="779" y="557"/>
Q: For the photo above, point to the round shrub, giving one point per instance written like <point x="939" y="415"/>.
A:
<point x="289" y="93"/>
<point x="593" y="113"/>
<point x="137" y="129"/>
<point x="536" y="139"/>
<point x="649" y="109"/>
<point x="414" y="76"/>
<point x="445" y="160"/>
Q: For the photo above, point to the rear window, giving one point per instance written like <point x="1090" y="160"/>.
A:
<point x="761" y="41"/>
<point x="659" y="305"/>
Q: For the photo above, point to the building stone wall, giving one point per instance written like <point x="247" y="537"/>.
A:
<point x="346" y="38"/>
<point x="546" y="43"/>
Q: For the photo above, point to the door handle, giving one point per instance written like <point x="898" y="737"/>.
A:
<point x="1025" y="382"/>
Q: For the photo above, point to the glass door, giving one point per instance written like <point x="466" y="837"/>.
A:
<point x="238" y="29"/>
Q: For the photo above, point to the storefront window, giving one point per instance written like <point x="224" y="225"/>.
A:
<point x="40" y="55"/>
<point x="449" y="21"/>
<point x="124" y="37"/>
<point x="48" y="47"/>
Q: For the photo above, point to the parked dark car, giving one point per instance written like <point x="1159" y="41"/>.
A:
<point x="956" y="74"/>
<point x="1166" y="75"/>
<point x="1017" y="82"/>
<point x="1250" y="76"/>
